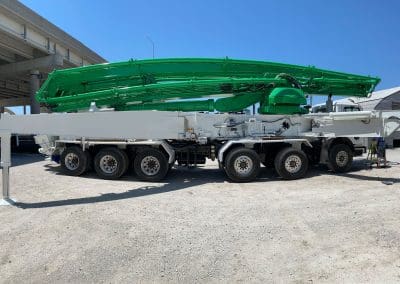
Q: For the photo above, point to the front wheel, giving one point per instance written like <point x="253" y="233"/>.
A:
<point x="340" y="158"/>
<point x="242" y="165"/>
<point x="151" y="165"/>
<point x="291" y="164"/>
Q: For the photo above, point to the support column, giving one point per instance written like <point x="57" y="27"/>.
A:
<point x="5" y="164"/>
<point x="329" y="104"/>
<point x="34" y="87"/>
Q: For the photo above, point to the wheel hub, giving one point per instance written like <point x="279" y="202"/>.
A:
<point x="243" y="165"/>
<point x="293" y="164"/>
<point x="150" y="165"/>
<point x="71" y="161"/>
<point x="108" y="164"/>
<point x="342" y="158"/>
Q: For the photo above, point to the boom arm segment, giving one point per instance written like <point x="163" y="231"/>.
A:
<point x="184" y="84"/>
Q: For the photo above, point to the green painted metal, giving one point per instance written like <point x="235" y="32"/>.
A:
<point x="190" y="84"/>
<point x="285" y="101"/>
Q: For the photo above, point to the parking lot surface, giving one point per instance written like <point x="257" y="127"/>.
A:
<point x="196" y="226"/>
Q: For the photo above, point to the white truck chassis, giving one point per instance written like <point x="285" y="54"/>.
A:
<point x="152" y="141"/>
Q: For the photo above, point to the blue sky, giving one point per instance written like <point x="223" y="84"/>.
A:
<point x="358" y="36"/>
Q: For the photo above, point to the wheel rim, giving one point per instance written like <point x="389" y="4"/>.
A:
<point x="293" y="164"/>
<point x="150" y="165"/>
<point x="243" y="165"/>
<point x="71" y="161"/>
<point x="342" y="158"/>
<point x="108" y="164"/>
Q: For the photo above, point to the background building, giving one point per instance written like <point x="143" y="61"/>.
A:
<point x="388" y="99"/>
<point x="30" y="48"/>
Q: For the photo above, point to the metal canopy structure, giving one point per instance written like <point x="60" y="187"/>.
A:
<point x="30" y="48"/>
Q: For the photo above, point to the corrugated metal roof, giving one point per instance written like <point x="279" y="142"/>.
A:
<point x="378" y="95"/>
<point x="348" y="101"/>
<point x="371" y="101"/>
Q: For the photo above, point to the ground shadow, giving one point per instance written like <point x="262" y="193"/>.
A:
<point x="358" y="165"/>
<point x="177" y="179"/>
<point x="142" y="191"/>
<point x="183" y="178"/>
<point x="368" y="178"/>
<point x="187" y="173"/>
<point x="19" y="159"/>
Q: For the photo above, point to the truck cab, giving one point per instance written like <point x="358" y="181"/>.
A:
<point x="343" y="105"/>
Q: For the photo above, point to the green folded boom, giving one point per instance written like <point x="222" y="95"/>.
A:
<point x="192" y="84"/>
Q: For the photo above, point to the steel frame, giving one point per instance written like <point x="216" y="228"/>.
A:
<point x="154" y="128"/>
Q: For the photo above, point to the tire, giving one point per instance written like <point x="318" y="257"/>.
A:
<point x="340" y="158"/>
<point x="291" y="164"/>
<point x="110" y="163"/>
<point x="170" y="167"/>
<point x="242" y="165"/>
<point x="221" y="166"/>
<point x="89" y="164"/>
<point x="74" y="161"/>
<point x="126" y="161"/>
<point x="150" y="165"/>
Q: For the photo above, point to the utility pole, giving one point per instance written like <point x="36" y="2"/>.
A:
<point x="152" y="43"/>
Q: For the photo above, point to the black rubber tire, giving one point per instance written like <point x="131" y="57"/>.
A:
<point x="221" y="166"/>
<point x="281" y="159"/>
<point x="118" y="156"/>
<point x="158" y="156"/>
<point x="126" y="161"/>
<point x="332" y="155"/>
<point x="89" y="164"/>
<point x="83" y="160"/>
<point x="230" y="160"/>
<point x="170" y="167"/>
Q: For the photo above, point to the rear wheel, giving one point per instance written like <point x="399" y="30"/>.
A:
<point x="340" y="158"/>
<point x="89" y="158"/>
<point x="110" y="163"/>
<point x="74" y="161"/>
<point x="126" y="161"/>
<point x="291" y="163"/>
<point x="242" y="165"/>
<point x="151" y="165"/>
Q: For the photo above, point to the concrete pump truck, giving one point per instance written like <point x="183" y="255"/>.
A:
<point x="143" y="116"/>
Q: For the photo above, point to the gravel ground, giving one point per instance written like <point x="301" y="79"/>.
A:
<point x="197" y="227"/>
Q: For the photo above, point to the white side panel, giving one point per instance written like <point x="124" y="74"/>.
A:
<point x="356" y="124"/>
<point x="105" y="125"/>
<point x="348" y="128"/>
<point x="174" y="125"/>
